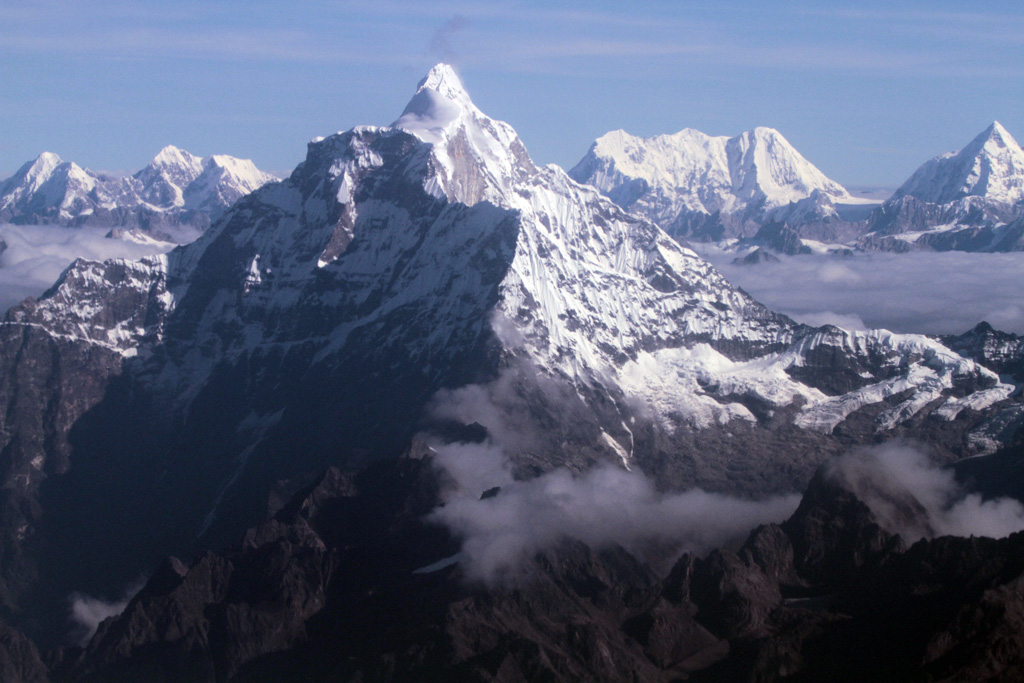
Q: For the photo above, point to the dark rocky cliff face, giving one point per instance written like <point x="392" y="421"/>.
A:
<point x="328" y="589"/>
<point x="779" y="237"/>
<point x="1000" y="351"/>
<point x="50" y="378"/>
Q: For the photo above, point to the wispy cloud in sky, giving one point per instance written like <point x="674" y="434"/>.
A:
<point x="442" y="44"/>
<point x="192" y="35"/>
<point x="505" y="34"/>
<point x="838" y="82"/>
<point x="963" y="27"/>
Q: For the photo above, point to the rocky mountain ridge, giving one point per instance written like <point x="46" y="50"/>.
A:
<point x="1000" y="351"/>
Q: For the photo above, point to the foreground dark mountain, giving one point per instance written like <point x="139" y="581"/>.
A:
<point x="174" y="196"/>
<point x="422" y="277"/>
<point x="343" y="584"/>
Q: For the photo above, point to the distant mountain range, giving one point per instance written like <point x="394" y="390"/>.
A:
<point x="703" y="188"/>
<point x="695" y="186"/>
<point x="176" y="190"/>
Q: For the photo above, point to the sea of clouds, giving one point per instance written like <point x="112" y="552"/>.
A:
<point x="919" y="292"/>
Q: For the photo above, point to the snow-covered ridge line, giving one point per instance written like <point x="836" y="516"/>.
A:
<point x="175" y="188"/>
<point x="969" y="200"/>
<point x="701" y="387"/>
<point x="707" y="188"/>
<point x="668" y="177"/>
<point x="114" y="304"/>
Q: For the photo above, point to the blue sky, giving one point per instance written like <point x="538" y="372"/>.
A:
<point x="866" y="94"/>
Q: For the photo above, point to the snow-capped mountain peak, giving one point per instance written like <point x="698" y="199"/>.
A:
<point x="36" y="172"/>
<point x="475" y="156"/>
<point x="164" y="180"/>
<point x="46" y="181"/>
<point x="995" y="137"/>
<point x="176" y="189"/>
<point x="766" y="166"/>
<point x="175" y="157"/>
<point x="243" y="172"/>
<point x="989" y="166"/>
<point x="43" y="165"/>
<point x="663" y="161"/>
<point x="998" y="168"/>
<point x="221" y="182"/>
<point x="680" y="178"/>
<point x="440" y="103"/>
<point x="443" y="79"/>
<point x="996" y="130"/>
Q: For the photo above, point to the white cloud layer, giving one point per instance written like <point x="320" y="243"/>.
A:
<point x="921" y="292"/>
<point x="87" y="612"/>
<point x="501" y="531"/>
<point x="602" y="506"/>
<point x="886" y="477"/>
